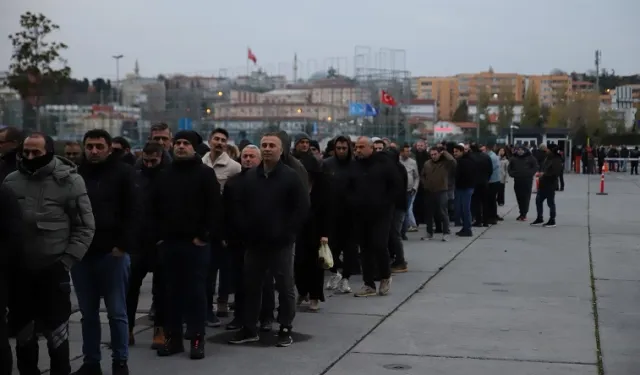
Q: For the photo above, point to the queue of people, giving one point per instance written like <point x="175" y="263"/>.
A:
<point x="208" y="223"/>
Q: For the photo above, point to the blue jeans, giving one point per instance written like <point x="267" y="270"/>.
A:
<point x="103" y="276"/>
<point x="463" y="208"/>
<point x="409" y="219"/>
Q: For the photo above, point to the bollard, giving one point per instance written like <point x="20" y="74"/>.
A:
<point x="602" y="184"/>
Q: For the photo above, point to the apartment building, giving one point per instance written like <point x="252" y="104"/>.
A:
<point x="470" y="86"/>
<point x="548" y="86"/>
<point x="443" y="90"/>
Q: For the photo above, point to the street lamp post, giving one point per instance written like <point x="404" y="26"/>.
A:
<point x="117" y="58"/>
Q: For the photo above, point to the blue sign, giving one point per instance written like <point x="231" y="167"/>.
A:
<point x="362" y="110"/>
<point x="314" y="130"/>
<point x="185" y="123"/>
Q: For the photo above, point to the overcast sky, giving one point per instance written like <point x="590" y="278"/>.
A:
<point x="438" y="37"/>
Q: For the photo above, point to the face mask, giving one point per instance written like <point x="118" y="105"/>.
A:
<point x="34" y="164"/>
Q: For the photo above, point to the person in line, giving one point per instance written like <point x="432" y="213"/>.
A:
<point x="58" y="228"/>
<point x="105" y="269"/>
<point x="302" y="145"/>
<point x="435" y="179"/>
<point x="479" y="201"/>
<point x="465" y="183"/>
<point x="73" y="152"/>
<point x="634" y="155"/>
<point x="551" y="169"/>
<point x="421" y="155"/>
<point x="188" y="213"/>
<point x="396" y="248"/>
<point x="522" y="168"/>
<point x="122" y="148"/>
<point x="372" y="188"/>
<point x="413" y="182"/>
<point x="225" y="168"/>
<point x="493" y="188"/>
<point x="341" y="240"/>
<point x="146" y="259"/>
<point x="160" y="133"/>
<point x="504" y="174"/>
<point x="10" y="138"/>
<point x="309" y="274"/>
<point x="273" y="204"/>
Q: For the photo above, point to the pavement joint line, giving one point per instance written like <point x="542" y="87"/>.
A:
<point x="404" y="301"/>
<point x="342" y="313"/>
<point x="594" y="294"/>
<point x="625" y="280"/>
<point x="481" y="358"/>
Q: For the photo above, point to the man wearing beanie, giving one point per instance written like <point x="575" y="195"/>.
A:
<point x="301" y="146"/>
<point x="187" y="215"/>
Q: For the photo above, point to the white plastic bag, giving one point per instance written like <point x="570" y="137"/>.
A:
<point x="324" y="253"/>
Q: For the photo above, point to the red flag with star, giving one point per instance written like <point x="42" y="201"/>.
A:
<point x="387" y="99"/>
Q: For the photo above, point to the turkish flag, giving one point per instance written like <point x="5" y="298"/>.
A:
<point x="387" y="99"/>
<point x="251" y="56"/>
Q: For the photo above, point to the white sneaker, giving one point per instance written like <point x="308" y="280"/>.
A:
<point x="332" y="284"/>
<point x="343" y="286"/>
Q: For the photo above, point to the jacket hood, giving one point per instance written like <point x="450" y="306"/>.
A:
<point x="342" y="138"/>
<point x="286" y="143"/>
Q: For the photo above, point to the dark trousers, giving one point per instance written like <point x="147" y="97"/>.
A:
<point x="219" y="271"/>
<point x="308" y="271"/>
<point x="396" y="247"/>
<point x="257" y="264"/>
<point x="6" y="357"/>
<point x="479" y="204"/>
<point x="43" y="303"/>
<point x="634" y="167"/>
<point x="343" y="242"/>
<point x="373" y="237"/>
<point x="463" y="208"/>
<point x="492" y="202"/>
<point x="103" y="276"/>
<point x="548" y="195"/>
<point x="141" y="265"/>
<point x="522" y="188"/>
<point x="185" y="270"/>
<point x="561" y="180"/>
<point x="500" y="198"/>
<point x="236" y="254"/>
<point x="437" y="209"/>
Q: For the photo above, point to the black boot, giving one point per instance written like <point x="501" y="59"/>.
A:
<point x="119" y="368"/>
<point x="172" y="345"/>
<point x="197" y="347"/>
<point x="89" y="369"/>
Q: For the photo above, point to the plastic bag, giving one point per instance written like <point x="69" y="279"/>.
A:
<point x="326" y="258"/>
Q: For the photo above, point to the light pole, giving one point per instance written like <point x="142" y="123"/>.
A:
<point x="117" y="58"/>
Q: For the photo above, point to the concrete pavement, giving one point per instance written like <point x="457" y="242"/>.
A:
<point x="513" y="299"/>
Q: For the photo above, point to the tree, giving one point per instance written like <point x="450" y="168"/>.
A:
<point x="531" y="110"/>
<point x="505" y="107"/>
<point x="582" y="113"/>
<point x="32" y="73"/>
<point x="558" y="118"/>
<point x="461" y="114"/>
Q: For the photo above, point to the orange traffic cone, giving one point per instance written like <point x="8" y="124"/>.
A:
<point x="605" y="167"/>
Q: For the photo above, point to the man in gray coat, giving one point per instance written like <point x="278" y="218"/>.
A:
<point x="58" y="229"/>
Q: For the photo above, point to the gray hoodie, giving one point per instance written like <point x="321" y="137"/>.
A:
<point x="57" y="214"/>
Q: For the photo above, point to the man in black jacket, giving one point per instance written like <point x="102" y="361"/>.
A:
<point x="373" y="186"/>
<point x="396" y="248"/>
<point x="342" y="240"/>
<point x="105" y="269"/>
<point x="145" y="260"/>
<point x="188" y="213"/>
<point x="522" y="167"/>
<point x="465" y="183"/>
<point x="273" y="205"/>
<point x="10" y="242"/>
<point x="550" y="170"/>
<point x="479" y="202"/>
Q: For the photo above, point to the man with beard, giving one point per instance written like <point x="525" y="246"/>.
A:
<point x="373" y="186"/>
<point x="73" y="152"/>
<point x="341" y="241"/>
<point x="145" y="260"/>
<point x="58" y="228"/>
<point x="122" y="148"/>
<point x="274" y="204"/>
<point x="105" y="270"/>
<point x="187" y="210"/>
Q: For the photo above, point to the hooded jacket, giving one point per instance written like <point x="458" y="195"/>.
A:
<point x="57" y="215"/>
<point x="523" y="166"/>
<point x="291" y="161"/>
<point x="373" y="185"/>
<point x="551" y="169"/>
<point x="338" y="172"/>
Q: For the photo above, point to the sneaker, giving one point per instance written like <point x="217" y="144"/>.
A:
<point x="412" y="229"/>
<point x="234" y="325"/>
<point x="222" y="310"/>
<point x="132" y="339"/>
<point x="429" y="236"/>
<point x="385" y="287"/>
<point x="314" y="305"/>
<point x="119" y="368"/>
<point x="538" y="221"/>
<point x="405" y="238"/>
<point x="399" y="267"/>
<point x="343" y="286"/>
<point x="464" y="233"/>
<point x="521" y="218"/>
<point x="302" y="299"/>
<point x="445" y="237"/>
<point x="172" y="345"/>
<point x="158" y="338"/>
<point x="89" y="369"/>
<point x="197" y="348"/>
<point x="550" y="224"/>
<point x="332" y="284"/>
<point x="284" y="338"/>
<point x="244" y="336"/>
<point x="266" y="326"/>
<point x="365" y="291"/>
<point x="212" y="320"/>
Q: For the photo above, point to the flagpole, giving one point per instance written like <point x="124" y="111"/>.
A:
<point x="247" y="57"/>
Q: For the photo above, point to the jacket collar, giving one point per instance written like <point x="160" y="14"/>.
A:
<point x="221" y="161"/>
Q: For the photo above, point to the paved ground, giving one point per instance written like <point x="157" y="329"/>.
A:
<point x="514" y="299"/>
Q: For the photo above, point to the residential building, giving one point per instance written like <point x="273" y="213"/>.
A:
<point x="495" y="84"/>
<point x="493" y="111"/>
<point x="582" y="86"/>
<point x="549" y="87"/>
<point x="444" y="90"/>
